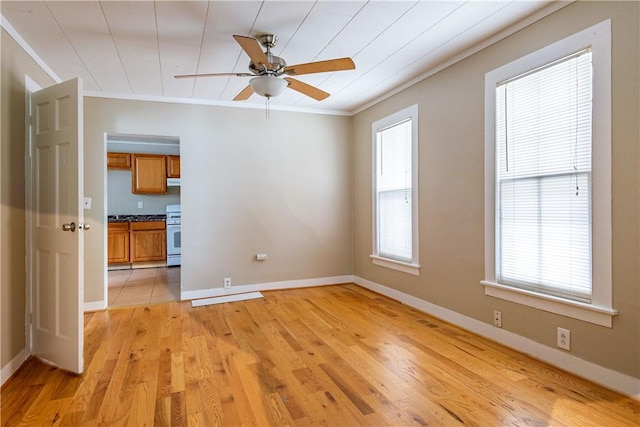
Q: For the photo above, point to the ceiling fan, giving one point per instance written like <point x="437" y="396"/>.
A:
<point x="266" y="68"/>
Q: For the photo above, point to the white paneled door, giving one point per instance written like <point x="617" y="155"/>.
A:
<point x="56" y="225"/>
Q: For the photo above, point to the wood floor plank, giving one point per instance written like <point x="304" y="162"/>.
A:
<point x="178" y="409"/>
<point x="212" y="405"/>
<point x="36" y="414"/>
<point x="325" y="356"/>
<point x="114" y="380"/>
<point x="162" y="412"/>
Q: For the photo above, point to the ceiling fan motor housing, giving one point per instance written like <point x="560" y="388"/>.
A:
<point x="276" y="69"/>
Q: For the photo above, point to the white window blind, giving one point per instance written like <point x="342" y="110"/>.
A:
<point x="543" y="179"/>
<point x="393" y="191"/>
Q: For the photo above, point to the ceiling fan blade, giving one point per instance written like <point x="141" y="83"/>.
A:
<point x="307" y="89"/>
<point x="244" y="94"/>
<point x="252" y="47"/>
<point x="187" y="76"/>
<point x="320" y="66"/>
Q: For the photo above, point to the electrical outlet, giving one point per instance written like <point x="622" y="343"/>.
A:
<point x="227" y="282"/>
<point x="497" y="318"/>
<point x="140" y="205"/>
<point x="564" y="338"/>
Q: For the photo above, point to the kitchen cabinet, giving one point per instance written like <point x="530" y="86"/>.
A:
<point x="118" y="161"/>
<point x="118" y="243"/>
<point x="173" y="166"/>
<point x="149" y="174"/>
<point x="148" y="241"/>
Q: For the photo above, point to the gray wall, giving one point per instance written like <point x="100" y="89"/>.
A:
<point x="280" y="186"/>
<point x="451" y="189"/>
<point x="15" y="64"/>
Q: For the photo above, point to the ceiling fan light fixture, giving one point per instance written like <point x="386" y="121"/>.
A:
<point x="268" y="86"/>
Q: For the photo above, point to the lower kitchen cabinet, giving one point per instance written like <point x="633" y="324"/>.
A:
<point x="118" y="243"/>
<point x="131" y="242"/>
<point x="148" y="241"/>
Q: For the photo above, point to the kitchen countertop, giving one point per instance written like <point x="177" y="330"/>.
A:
<point x="136" y="218"/>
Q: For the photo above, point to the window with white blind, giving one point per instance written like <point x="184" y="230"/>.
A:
<point x="543" y="175"/>
<point x="547" y="153"/>
<point x="395" y="191"/>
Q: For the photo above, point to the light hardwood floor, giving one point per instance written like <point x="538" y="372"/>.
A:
<point x="335" y="355"/>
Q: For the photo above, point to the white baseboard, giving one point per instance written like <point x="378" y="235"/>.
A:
<point x="95" y="306"/>
<point x="270" y="286"/>
<point x="13" y="365"/>
<point x="609" y="378"/>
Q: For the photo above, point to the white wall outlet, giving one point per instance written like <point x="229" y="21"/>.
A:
<point x="140" y="205"/>
<point x="564" y="338"/>
<point x="261" y="257"/>
<point x="497" y="318"/>
<point x="227" y="282"/>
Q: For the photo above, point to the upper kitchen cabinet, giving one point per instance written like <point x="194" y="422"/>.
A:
<point x="173" y="166"/>
<point x="149" y="174"/>
<point x="119" y="161"/>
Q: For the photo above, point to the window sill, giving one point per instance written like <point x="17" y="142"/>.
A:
<point x="396" y="265"/>
<point x="577" y="310"/>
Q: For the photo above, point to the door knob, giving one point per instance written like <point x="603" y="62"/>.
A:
<point x="69" y="227"/>
<point x="84" y="227"/>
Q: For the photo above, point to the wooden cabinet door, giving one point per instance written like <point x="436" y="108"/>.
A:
<point x="118" y="243"/>
<point x="118" y="161"/>
<point x="149" y="174"/>
<point x="148" y="245"/>
<point x="173" y="166"/>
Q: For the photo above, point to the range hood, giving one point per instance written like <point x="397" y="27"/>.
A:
<point x="173" y="182"/>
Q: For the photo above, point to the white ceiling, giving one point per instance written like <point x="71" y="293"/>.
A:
<point x="134" y="48"/>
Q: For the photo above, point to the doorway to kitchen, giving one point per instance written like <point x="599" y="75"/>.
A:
<point x="142" y="186"/>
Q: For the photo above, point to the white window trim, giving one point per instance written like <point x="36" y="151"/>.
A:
<point x="600" y="311"/>
<point x="408" y="267"/>
<point x="396" y="265"/>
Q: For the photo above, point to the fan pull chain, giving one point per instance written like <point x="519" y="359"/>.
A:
<point x="266" y="107"/>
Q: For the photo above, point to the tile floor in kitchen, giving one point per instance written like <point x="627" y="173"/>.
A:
<point x="143" y="286"/>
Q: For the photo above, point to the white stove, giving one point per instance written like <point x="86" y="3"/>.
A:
<point x="174" y="235"/>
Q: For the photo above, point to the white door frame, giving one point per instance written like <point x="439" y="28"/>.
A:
<point x="105" y="231"/>
<point x="30" y="87"/>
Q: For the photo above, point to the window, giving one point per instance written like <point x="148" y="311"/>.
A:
<point x="543" y="175"/>
<point x="548" y="157"/>
<point x="395" y="241"/>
